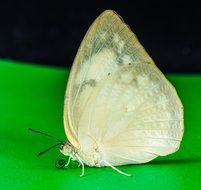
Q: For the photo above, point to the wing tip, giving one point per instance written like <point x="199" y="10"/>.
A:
<point x="109" y="13"/>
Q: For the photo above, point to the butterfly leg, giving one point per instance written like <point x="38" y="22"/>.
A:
<point x="68" y="162"/>
<point x="116" y="169"/>
<point x="80" y="162"/>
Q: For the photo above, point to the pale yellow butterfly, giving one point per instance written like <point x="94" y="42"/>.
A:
<point x="119" y="108"/>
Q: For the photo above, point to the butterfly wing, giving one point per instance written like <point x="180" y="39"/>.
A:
<point x="108" y="44"/>
<point x="132" y="116"/>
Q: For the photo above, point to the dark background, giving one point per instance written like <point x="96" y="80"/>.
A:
<point x="49" y="33"/>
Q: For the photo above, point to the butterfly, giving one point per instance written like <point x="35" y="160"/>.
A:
<point x="119" y="108"/>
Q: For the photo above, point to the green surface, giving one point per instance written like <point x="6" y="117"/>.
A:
<point x="32" y="96"/>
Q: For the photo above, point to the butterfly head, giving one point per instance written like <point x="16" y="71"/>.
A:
<point x="67" y="148"/>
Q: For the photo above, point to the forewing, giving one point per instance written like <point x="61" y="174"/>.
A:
<point x="108" y="44"/>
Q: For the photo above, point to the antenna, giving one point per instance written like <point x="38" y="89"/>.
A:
<point x="47" y="135"/>
<point x="44" y="151"/>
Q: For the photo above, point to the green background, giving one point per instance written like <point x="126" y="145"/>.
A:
<point x="32" y="96"/>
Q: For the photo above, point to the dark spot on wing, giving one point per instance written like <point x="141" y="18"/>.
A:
<point x="90" y="82"/>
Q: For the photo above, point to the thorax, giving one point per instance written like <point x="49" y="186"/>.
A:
<point x="91" y="156"/>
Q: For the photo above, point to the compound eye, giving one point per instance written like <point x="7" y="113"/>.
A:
<point x="62" y="146"/>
